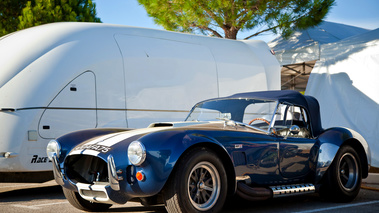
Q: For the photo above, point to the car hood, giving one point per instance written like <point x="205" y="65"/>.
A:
<point x="104" y="144"/>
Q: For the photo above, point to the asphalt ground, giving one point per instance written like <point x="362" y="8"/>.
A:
<point x="48" y="197"/>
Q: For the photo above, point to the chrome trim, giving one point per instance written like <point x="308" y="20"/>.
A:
<point x="143" y="149"/>
<point x="58" y="174"/>
<point x="273" y="119"/>
<point x="289" y="190"/>
<point x="251" y="127"/>
<point x="94" y="193"/>
<point x="245" y="178"/>
<point x="295" y="129"/>
<point x="112" y="174"/>
<point x="204" y="186"/>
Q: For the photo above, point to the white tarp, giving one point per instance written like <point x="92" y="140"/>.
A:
<point x="304" y="45"/>
<point x="346" y="83"/>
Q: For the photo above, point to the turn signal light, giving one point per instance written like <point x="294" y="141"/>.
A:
<point x="140" y="176"/>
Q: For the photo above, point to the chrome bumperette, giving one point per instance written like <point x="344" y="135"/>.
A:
<point x="94" y="192"/>
<point x="112" y="174"/>
<point x="101" y="193"/>
<point x="58" y="173"/>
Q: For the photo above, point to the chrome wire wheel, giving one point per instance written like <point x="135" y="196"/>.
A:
<point x="204" y="186"/>
<point x="348" y="174"/>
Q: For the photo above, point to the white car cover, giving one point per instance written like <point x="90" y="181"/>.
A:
<point x="346" y="83"/>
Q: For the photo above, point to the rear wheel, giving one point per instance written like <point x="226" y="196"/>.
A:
<point x="199" y="183"/>
<point x="343" y="179"/>
<point x="78" y="202"/>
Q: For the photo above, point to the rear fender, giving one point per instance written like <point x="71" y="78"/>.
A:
<point x="330" y="142"/>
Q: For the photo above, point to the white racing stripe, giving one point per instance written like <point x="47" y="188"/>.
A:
<point x="112" y="139"/>
<point x="102" y="138"/>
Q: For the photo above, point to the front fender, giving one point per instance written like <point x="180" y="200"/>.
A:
<point x="164" y="150"/>
<point x="330" y="142"/>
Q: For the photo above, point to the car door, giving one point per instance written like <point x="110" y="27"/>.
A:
<point x="256" y="152"/>
<point x="294" y="147"/>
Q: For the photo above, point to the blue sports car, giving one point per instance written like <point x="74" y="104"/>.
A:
<point x="258" y="145"/>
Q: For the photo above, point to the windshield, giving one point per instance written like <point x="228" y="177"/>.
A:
<point x="257" y="113"/>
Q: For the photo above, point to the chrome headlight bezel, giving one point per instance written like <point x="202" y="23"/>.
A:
<point x="53" y="147"/>
<point x="136" y="153"/>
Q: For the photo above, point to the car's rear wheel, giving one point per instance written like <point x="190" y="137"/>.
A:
<point x="199" y="183"/>
<point x="344" y="176"/>
<point x="78" y="202"/>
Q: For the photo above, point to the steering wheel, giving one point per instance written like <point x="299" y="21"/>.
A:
<point x="259" y="119"/>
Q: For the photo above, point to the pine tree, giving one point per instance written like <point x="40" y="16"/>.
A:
<point x="225" y="18"/>
<point x="48" y="11"/>
<point x="9" y="12"/>
<point x="21" y="14"/>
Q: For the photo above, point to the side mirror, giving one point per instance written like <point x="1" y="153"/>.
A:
<point x="295" y="130"/>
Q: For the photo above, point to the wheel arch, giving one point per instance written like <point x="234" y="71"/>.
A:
<point x="331" y="140"/>
<point x="223" y="156"/>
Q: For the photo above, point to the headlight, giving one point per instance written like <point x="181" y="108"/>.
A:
<point x="52" y="148"/>
<point x="136" y="153"/>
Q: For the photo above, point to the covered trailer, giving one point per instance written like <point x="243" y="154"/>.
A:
<point x="62" y="77"/>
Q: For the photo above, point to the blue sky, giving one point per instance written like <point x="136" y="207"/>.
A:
<point x="361" y="13"/>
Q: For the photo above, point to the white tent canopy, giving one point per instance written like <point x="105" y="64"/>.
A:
<point x="345" y="82"/>
<point x="304" y="45"/>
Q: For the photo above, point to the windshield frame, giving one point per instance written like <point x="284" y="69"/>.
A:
<point x="272" y="121"/>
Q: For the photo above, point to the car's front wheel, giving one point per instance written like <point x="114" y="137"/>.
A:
<point x="78" y="202"/>
<point x="344" y="176"/>
<point x="199" y="183"/>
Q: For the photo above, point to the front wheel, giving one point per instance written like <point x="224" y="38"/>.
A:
<point x="199" y="183"/>
<point x="343" y="179"/>
<point x="78" y="202"/>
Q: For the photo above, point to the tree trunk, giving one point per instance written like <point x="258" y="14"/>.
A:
<point x="230" y="32"/>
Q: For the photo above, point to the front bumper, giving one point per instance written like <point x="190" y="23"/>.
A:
<point x="101" y="192"/>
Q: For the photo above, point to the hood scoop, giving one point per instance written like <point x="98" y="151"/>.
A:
<point x="176" y="124"/>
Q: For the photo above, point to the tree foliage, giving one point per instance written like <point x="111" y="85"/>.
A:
<point x="225" y="18"/>
<point x="21" y="14"/>
<point x="10" y="10"/>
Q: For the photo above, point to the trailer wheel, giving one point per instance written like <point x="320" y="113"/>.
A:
<point x="78" y="202"/>
<point x="344" y="176"/>
<point x="199" y="184"/>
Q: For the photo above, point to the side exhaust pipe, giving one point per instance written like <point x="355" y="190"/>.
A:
<point x="253" y="193"/>
<point x="260" y="193"/>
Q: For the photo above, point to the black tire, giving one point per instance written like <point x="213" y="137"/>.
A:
<point x="149" y="201"/>
<point x="343" y="178"/>
<point x="199" y="183"/>
<point x="78" y="202"/>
